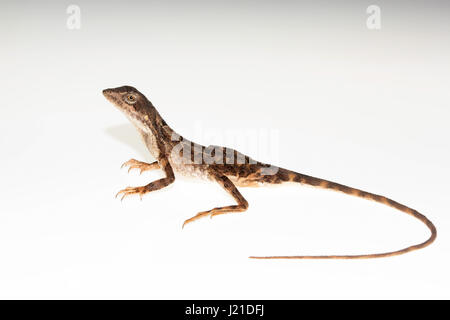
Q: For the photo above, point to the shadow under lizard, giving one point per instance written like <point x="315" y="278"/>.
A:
<point x="178" y="156"/>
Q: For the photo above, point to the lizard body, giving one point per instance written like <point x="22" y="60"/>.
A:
<point x="176" y="155"/>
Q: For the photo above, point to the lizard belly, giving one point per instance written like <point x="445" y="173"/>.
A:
<point x="189" y="170"/>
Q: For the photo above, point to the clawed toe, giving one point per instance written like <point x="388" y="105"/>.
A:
<point x="134" y="164"/>
<point x="130" y="191"/>
<point x="142" y="166"/>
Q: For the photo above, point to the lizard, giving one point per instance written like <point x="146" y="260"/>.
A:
<point x="176" y="155"/>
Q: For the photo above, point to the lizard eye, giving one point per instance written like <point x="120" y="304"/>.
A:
<point x="130" y="98"/>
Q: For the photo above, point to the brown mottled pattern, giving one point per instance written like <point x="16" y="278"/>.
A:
<point x="313" y="181"/>
<point x="225" y="166"/>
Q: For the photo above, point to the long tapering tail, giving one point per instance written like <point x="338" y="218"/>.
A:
<point x="287" y="175"/>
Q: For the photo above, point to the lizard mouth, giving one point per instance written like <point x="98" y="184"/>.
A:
<point x="110" y="96"/>
<point x="114" y="97"/>
<point x="107" y="93"/>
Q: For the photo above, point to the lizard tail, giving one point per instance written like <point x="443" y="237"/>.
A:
<point x="287" y="175"/>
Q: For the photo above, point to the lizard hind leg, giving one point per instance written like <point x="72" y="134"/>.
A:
<point x="226" y="183"/>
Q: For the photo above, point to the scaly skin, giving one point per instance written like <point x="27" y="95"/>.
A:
<point x="227" y="167"/>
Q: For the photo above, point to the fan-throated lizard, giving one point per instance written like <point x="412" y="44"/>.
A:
<point x="176" y="155"/>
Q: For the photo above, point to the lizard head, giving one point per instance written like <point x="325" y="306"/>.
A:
<point x="131" y="102"/>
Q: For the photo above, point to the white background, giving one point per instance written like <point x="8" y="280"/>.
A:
<point x="366" y="108"/>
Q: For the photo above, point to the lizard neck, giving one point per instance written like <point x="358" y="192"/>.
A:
<point x="154" y="129"/>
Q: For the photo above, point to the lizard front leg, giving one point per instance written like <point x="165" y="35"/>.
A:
<point x="226" y="183"/>
<point x="142" y="166"/>
<point x="152" y="186"/>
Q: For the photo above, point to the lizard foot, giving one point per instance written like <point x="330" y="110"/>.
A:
<point x="196" y="217"/>
<point x="142" y="166"/>
<point x="132" y="190"/>
<point x="217" y="211"/>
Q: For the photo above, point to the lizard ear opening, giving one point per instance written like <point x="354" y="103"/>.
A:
<point x="130" y="98"/>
